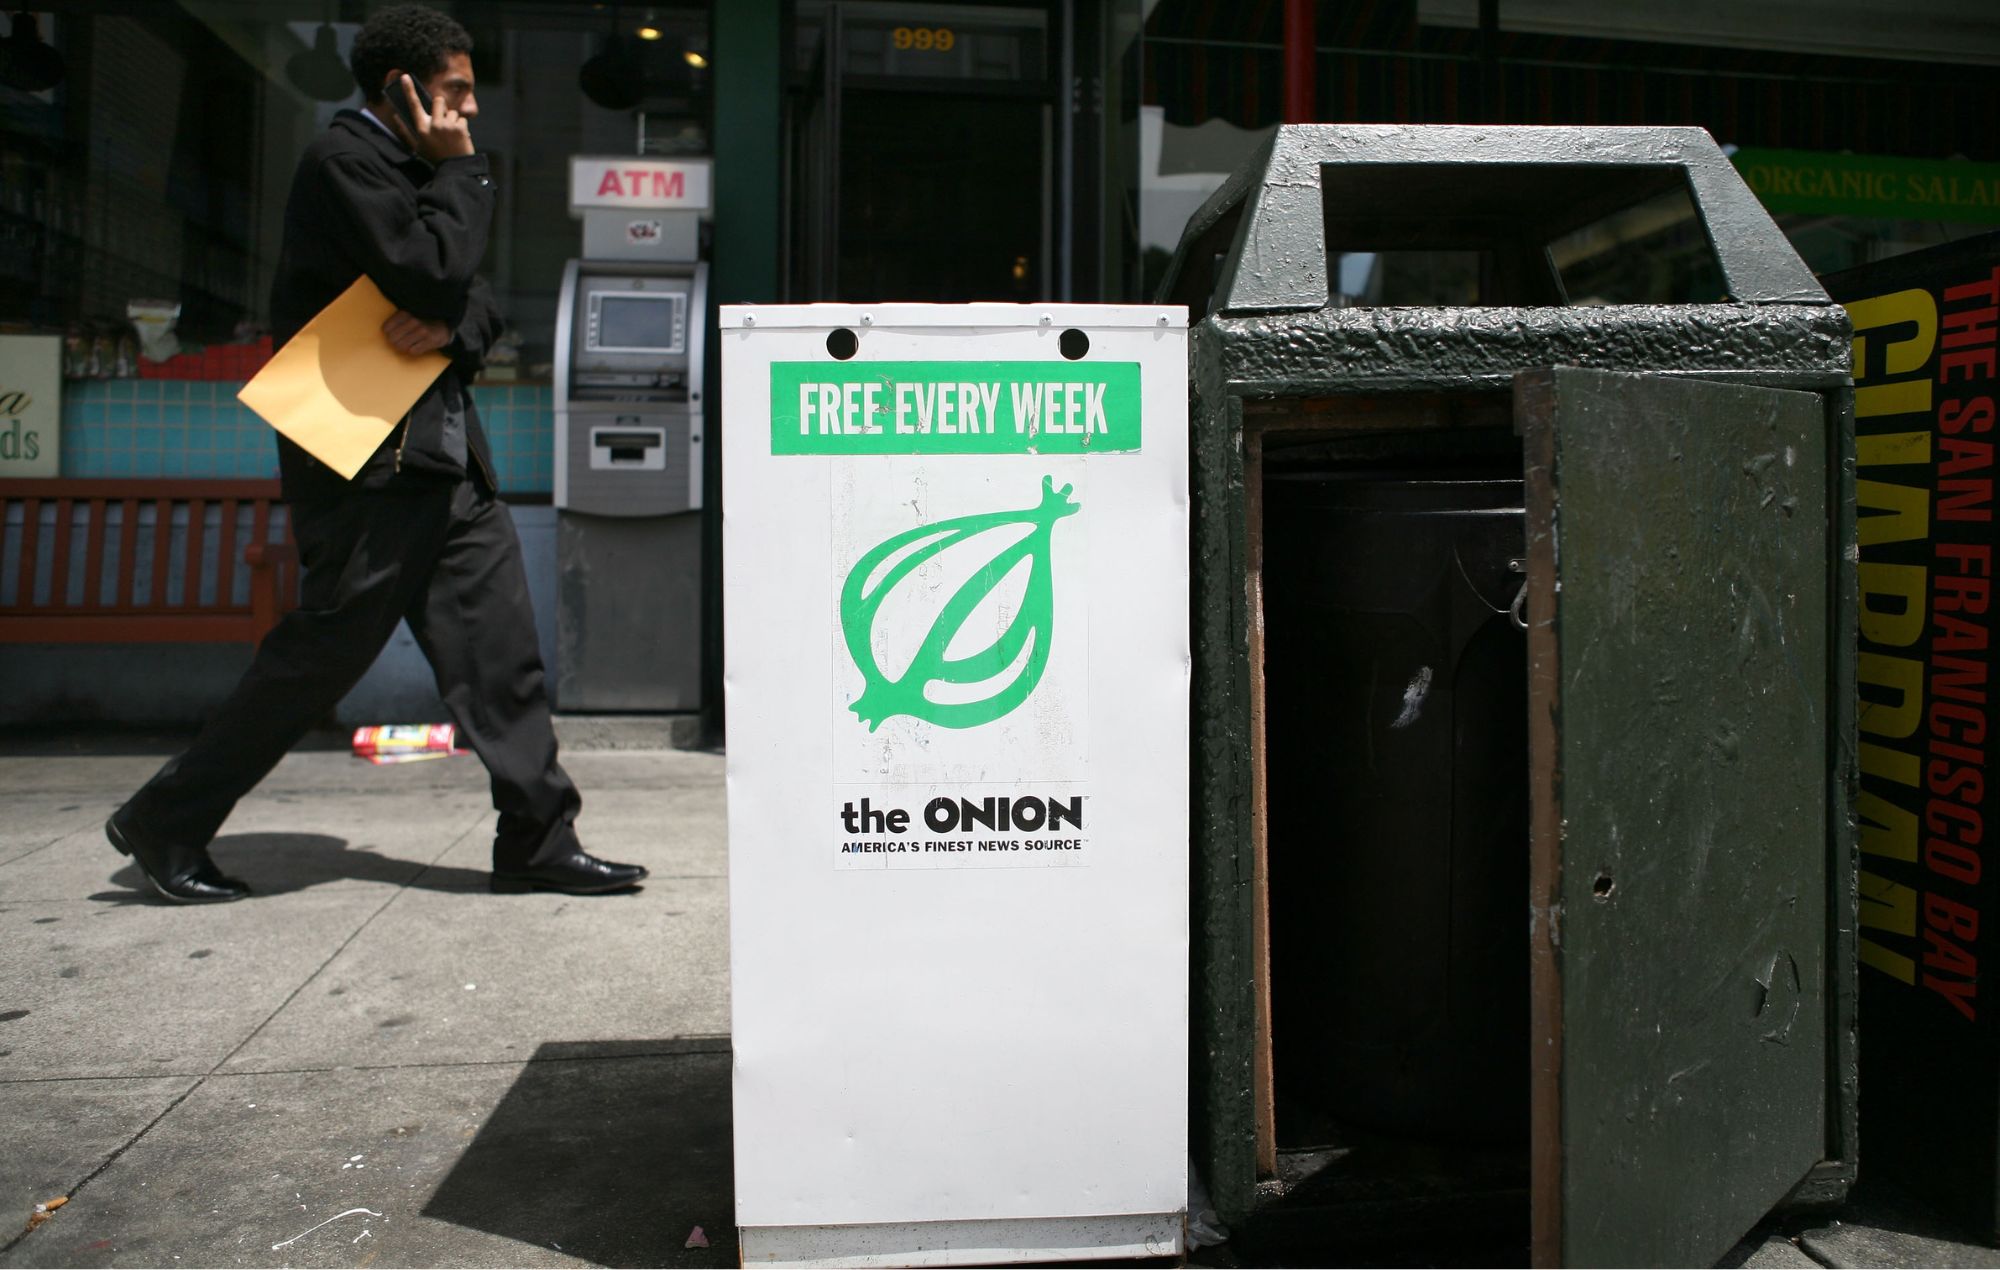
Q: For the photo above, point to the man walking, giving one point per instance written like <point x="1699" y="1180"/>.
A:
<point x="395" y="191"/>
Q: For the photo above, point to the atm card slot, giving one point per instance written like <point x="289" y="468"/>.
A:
<point x="625" y="448"/>
<point x="661" y="388"/>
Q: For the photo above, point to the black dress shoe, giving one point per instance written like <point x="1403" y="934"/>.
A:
<point x="184" y="875"/>
<point x="577" y="873"/>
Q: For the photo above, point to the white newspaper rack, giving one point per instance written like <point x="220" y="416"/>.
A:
<point x="956" y="598"/>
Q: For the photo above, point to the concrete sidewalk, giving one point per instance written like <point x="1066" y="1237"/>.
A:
<point x="498" y="1080"/>
<point x="374" y="1061"/>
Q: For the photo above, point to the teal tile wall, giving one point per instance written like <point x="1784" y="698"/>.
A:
<point x="154" y="427"/>
<point x="520" y="423"/>
<point x="164" y="427"/>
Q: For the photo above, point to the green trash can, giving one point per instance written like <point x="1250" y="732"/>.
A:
<point x="1567" y="957"/>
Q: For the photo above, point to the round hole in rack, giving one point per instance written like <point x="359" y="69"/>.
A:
<point x="1074" y="344"/>
<point x="843" y="344"/>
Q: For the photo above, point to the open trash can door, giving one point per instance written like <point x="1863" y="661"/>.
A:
<point x="1680" y="743"/>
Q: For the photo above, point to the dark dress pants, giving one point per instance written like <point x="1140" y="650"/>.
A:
<point x="445" y="557"/>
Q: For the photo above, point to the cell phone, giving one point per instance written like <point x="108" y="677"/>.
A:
<point x="400" y="99"/>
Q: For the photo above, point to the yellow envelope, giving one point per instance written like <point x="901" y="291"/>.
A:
<point x="338" y="387"/>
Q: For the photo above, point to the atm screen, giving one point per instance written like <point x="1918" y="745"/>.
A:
<point x="637" y="323"/>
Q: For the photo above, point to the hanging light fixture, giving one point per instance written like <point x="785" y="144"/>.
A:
<point x="26" y="63"/>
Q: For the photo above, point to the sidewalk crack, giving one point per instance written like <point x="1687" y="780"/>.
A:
<point x="44" y="847"/>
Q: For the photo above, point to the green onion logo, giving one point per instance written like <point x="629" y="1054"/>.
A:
<point x="1032" y="628"/>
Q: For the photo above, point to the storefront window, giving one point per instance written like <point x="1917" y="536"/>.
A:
<point x="147" y="149"/>
<point x="1208" y="81"/>
<point x="1823" y="101"/>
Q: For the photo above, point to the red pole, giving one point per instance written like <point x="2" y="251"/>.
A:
<point x="1301" y="90"/>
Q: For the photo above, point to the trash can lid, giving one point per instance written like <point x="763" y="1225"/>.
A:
<point x="1259" y="244"/>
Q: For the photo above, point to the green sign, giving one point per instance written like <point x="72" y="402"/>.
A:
<point x="1031" y="631"/>
<point x="954" y="407"/>
<point x="1870" y="185"/>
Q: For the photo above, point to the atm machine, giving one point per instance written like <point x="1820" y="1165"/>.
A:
<point x="629" y="415"/>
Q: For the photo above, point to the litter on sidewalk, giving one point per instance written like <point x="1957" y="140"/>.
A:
<point x="406" y="742"/>
<point x="42" y="1211"/>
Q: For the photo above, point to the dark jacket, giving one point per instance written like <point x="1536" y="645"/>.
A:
<point x="361" y="203"/>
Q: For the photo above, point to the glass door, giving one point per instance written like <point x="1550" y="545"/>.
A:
<point x="812" y="146"/>
<point x="920" y="163"/>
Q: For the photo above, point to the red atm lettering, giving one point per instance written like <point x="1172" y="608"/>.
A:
<point x="635" y="183"/>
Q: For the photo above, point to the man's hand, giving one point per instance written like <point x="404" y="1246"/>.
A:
<point x="413" y="336"/>
<point x="441" y="134"/>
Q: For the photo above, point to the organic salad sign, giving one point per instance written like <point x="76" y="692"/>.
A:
<point x="955" y="581"/>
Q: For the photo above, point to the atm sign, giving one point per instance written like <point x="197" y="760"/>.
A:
<point x="638" y="184"/>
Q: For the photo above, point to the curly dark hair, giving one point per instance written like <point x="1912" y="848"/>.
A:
<point x="406" y="37"/>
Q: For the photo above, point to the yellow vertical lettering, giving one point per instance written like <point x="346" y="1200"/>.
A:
<point x="1877" y="313"/>
<point x="1893" y="964"/>
<point x="1889" y="449"/>
<point x="1907" y="585"/>
<point x="1890" y="765"/>
<point x="1886" y="829"/>
<point x="1904" y="397"/>
<point x="1905" y="512"/>
<point x="1897" y="715"/>
<point x="1887" y="905"/>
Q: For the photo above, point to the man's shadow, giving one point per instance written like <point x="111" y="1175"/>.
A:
<point x="279" y="863"/>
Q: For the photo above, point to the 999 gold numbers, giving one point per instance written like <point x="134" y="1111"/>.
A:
<point x="923" y="39"/>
